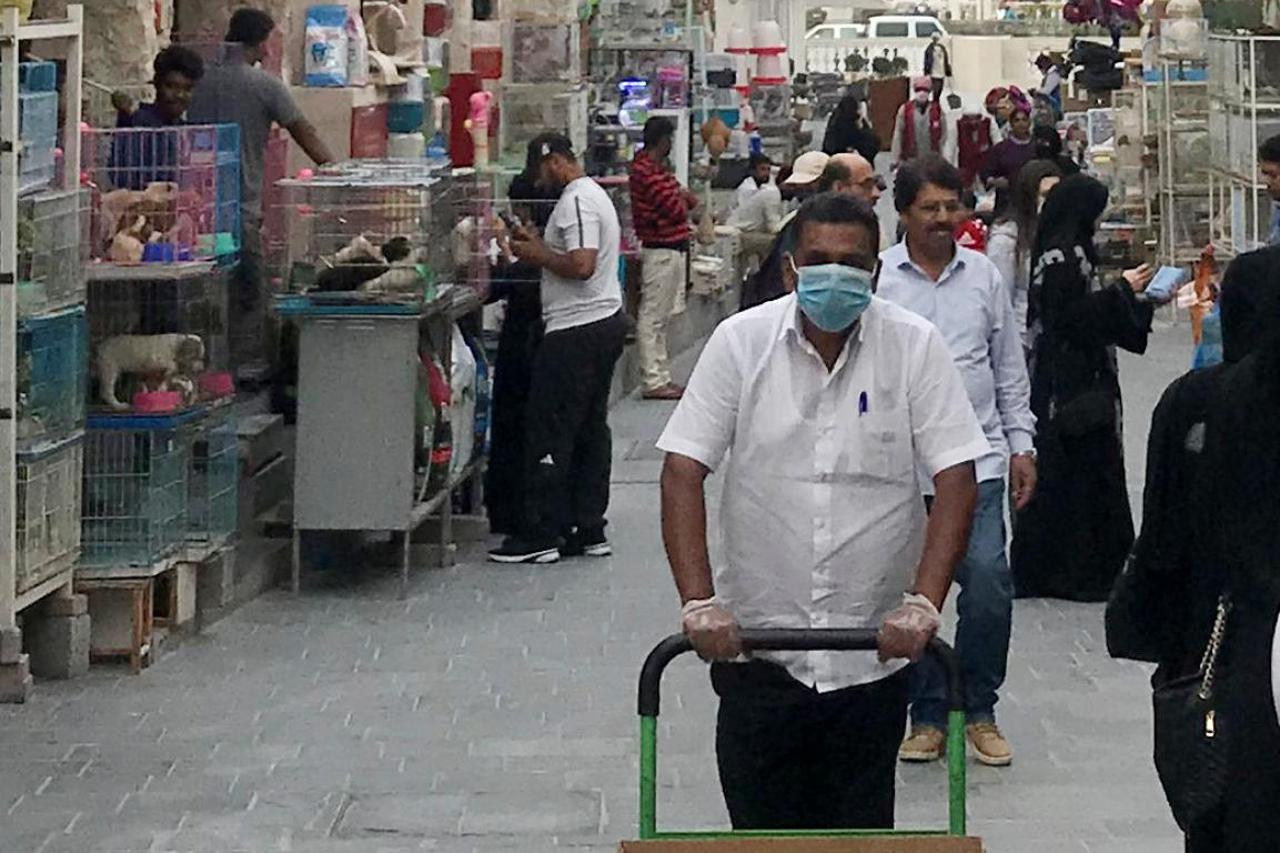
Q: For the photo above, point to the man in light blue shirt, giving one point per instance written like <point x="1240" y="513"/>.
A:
<point x="961" y="292"/>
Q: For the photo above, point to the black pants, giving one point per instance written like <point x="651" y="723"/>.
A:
<point x="793" y="758"/>
<point x="568" y="447"/>
<point x="937" y="83"/>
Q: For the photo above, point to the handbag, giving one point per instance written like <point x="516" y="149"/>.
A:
<point x="1191" y="734"/>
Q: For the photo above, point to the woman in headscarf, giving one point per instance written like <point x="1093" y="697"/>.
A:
<point x="1009" y="155"/>
<point x="1071" y="540"/>
<point x="848" y="131"/>
<point x="1208" y="527"/>
<point x="518" y="284"/>
<point x="1048" y="146"/>
<point x="1013" y="236"/>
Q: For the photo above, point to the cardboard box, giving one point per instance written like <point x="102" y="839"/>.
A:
<point x="885" y="844"/>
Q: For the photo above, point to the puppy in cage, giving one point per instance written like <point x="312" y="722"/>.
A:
<point x="168" y="362"/>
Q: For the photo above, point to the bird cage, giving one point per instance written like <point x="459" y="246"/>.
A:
<point x="48" y="510"/>
<point x="51" y="255"/>
<point x="172" y="301"/>
<point x="52" y="373"/>
<point x="212" y="487"/>
<point x="378" y="227"/>
<point x="163" y="195"/>
<point x="134" y="510"/>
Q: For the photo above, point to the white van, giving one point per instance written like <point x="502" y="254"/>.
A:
<point x="906" y="36"/>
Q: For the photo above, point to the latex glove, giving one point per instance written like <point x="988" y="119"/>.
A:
<point x="907" y="631"/>
<point x="712" y="630"/>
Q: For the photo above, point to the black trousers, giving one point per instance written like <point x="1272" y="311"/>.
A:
<point x="568" y="446"/>
<point x="793" y="758"/>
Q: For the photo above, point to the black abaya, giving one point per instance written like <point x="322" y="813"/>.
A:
<point x="1073" y="537"/>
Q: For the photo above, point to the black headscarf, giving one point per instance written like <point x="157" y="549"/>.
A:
<point x="1250" y="302"/>
<point x="1048" y="146"/>
<point x="846" y="131"/>
<point x="1070" y="216"/>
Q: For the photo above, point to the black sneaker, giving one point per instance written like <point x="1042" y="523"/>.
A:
<point x="590" y="544"/>
<point x="513" y="550"/>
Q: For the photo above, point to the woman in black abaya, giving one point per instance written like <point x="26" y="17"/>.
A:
<point x="1071" y="540"/>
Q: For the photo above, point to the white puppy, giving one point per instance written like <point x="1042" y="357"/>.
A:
<point x="172" y="359"/>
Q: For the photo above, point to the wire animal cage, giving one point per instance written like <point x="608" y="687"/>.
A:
<point x="135" y="488"/>
<point x="53" y="358"/>
<point x="381" y="227"/>
<point x="51" y="254"/>
<point x="212" y="480"/>
<point x="48" y="510"/>
<point x="193" y="302"/>
<point x="163" y="195"/>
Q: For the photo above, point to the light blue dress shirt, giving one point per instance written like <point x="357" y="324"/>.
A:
<point x="1273" y="239"/>
<point x="970" y="306"/>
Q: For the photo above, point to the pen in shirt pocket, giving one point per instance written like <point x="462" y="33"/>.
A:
<point x="862" y="404"/>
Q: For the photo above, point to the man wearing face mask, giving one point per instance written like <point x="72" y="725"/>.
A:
<point x="567" y="441"/>
<point x="964" y="295"/>
<point x="824" y="401"/>
<point x="921" y="126"/>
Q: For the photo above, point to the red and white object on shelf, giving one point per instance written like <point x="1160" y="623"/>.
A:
<point x="739" y="41"/>
<point x="770" y="70"/>
<point x="766" y="39"/>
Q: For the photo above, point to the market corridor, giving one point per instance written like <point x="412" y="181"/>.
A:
<point x="494" y="710"/>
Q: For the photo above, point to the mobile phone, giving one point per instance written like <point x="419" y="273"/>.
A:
<point x="510" y="220"/>
<point x="1164" y="283"/>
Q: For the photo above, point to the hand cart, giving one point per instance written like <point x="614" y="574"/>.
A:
<point x="951" y="840"/>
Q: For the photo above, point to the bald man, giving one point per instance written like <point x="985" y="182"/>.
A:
<point x="851" y="174"/>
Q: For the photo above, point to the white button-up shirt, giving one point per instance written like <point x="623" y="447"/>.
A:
<point x="822" y="517"/>
<point x="970" y="306"/>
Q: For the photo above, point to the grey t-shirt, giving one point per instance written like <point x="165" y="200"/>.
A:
<point x="584" y="218"/>
<point x="234" y="92"/>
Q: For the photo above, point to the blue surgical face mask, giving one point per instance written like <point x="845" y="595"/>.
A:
<point x="833" y="296"/>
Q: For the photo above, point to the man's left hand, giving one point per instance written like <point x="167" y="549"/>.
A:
<point x="529" y="248"/>
<point x="1022" y="478"/>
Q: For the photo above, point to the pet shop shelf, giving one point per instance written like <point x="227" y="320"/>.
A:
<point x="48" y="510"/>
<point x="53" y="359"/>
<point x="163" y="195"/>
<point x="134" y="508"/>
<point x="51" y="254"/>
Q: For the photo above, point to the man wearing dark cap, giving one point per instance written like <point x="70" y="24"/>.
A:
<point x="568" y="444"/>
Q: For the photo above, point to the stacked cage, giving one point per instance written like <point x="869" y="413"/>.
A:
<point x="212" y="478"/>
<point x="135" y="488"/>
<point x="163" y="195"/>
<point x="543" y="87"/>
<point x="48" y="517"/>
<point x="37" y="125"/>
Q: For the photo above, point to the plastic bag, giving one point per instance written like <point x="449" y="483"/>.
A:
<point x="357" y="51"/>
<point x="326" y="46"/>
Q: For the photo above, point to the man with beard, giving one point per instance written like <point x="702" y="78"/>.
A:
<point x="567" y="443"/>
<point x="962" y="293"/>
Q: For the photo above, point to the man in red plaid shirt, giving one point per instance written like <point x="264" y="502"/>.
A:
<point x="660" y="213"/>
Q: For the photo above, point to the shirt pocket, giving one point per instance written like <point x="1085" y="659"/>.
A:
<point x="884" y="446"/>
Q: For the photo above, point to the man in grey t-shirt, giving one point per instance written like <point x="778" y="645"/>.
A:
<point x="567" y="441"/>
<point x="235" y="91"/>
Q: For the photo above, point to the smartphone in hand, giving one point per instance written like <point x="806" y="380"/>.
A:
<point x="1165" y="283"/>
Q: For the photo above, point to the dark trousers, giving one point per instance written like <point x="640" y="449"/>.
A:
<point x="793" y="758"/>
<point x="937" y="83"/>
<point x="568" y="446"/>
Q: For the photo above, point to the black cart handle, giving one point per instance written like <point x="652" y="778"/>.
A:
<point x="792" y="640"/>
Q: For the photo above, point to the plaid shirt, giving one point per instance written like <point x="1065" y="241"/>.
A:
<point x="658" y="209"/>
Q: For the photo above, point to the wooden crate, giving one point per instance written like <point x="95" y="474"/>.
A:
<point x="123" y="624"/>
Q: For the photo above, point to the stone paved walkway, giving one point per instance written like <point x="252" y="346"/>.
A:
<point x="494" y="710"/>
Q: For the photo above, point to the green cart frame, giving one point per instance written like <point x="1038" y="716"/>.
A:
<point x="826" y="639"/>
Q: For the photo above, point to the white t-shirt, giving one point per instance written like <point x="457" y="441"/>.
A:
<point x="584" y="218"/>
<point x="761" y="213"/>
<point x="745" y="191"/>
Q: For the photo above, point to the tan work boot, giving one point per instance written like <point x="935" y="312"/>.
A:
<point x="989" y="745"/>
<point x="926" y="743"/>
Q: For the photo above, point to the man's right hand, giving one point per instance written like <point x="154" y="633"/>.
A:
<point x="123" y="103"/>
<point x="712" y="630"/>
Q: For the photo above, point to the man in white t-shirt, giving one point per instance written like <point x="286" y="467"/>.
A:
<point x="568" y="444"/>
<point x="759" y="172"/>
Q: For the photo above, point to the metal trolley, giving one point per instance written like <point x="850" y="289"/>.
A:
<point x="950" y="840"/>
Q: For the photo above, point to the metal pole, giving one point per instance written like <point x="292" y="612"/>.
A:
<point x="9" y="146"/>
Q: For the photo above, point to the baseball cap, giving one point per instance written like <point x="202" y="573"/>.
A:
<point x="921" y="84"/>
<point x="546" y="144"/>
<point x="807" y="167"/>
